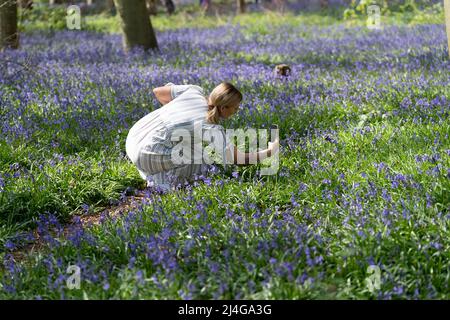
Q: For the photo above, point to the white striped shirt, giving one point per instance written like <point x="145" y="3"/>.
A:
<point x="152" y="134"/>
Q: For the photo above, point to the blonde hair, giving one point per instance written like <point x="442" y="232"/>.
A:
<point x="225" y="95"/>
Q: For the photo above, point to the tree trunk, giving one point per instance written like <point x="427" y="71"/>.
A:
<point x="110" y="5"/>
<point x="279" y="4"/>
<point x="9" y="37"/>
<point x="241" y="6"/>
<point x="136" y="24"/>
<point x="447" y="22"/>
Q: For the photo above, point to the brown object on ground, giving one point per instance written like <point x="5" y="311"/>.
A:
<point x="282" y="70"/>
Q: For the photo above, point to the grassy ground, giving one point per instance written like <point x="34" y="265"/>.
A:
<point x="256" y="21"/>
<point x="363" y="180"/>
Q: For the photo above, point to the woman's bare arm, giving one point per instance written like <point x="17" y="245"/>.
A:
<point x="163" y="94"/>
<point x="243" y="158"/>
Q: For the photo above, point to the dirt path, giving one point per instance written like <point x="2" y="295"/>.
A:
<point x="129" y="203"/>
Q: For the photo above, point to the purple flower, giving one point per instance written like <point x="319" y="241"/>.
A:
<point x="294" y="202"/>
<point x="385" y="195"/>
<point x="140" y="276"/>
<point x="214" y="267"/>
<point x="9" y="245"/>
<point x="85" y="207"/>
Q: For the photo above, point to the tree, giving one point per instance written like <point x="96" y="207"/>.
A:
<point x="279" y="4"/>
<point x="241" y="6"/>
<point x="9" y="37"/>
<point x="136" y="24"/>
<point x="447" y="22"/>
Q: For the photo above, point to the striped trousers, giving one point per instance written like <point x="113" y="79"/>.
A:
<point x="160" y="169"/>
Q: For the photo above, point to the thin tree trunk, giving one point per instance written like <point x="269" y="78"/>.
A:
<point x="136" y="24"/>
<point x="9" y="37"/>
<point x="447" y="22"/>
<point x="279" y="5"/>
<point x="110" y="5"/>
<point x="241" y="8"/>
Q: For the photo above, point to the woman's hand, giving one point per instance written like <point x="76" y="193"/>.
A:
<point x="274" y="147"/>
<point x="163" y="94"/>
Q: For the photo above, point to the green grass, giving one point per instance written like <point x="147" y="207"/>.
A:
<point x="255" y="22"/>
<point x="344" y="278"/>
